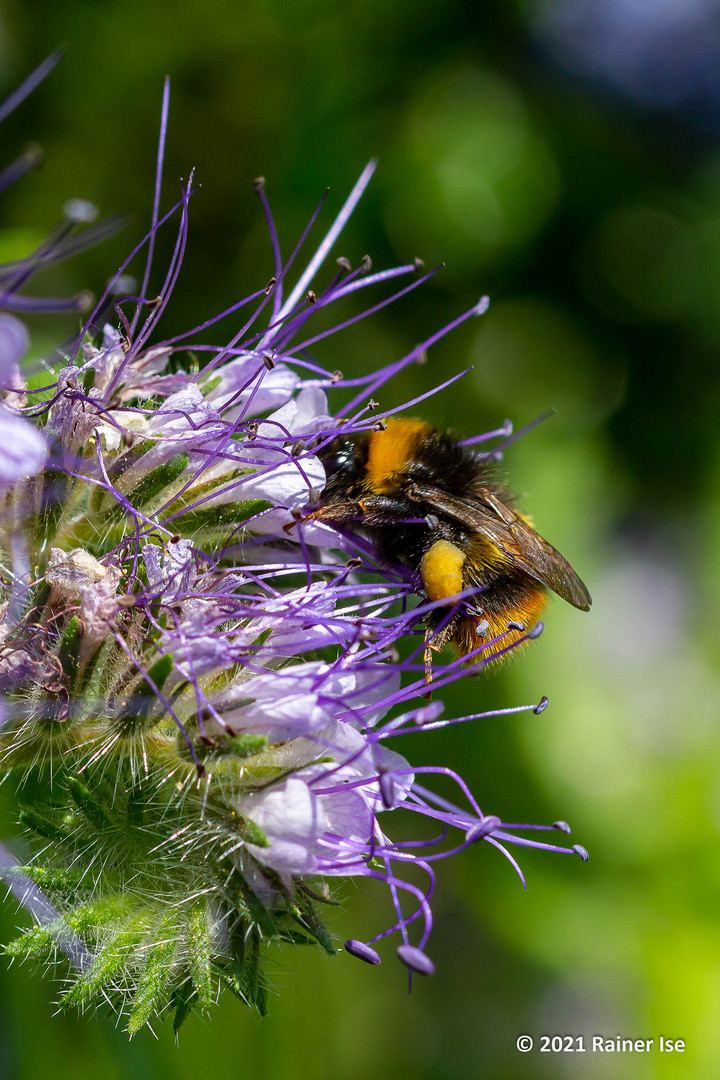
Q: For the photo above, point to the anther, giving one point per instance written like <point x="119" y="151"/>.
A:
<point x="482" y="628"/>
<point x="541" y="705"/>
<point x="581" y="851"/>
<point x="258" y="183"/>
<point x="536" y="630"/>
<point x="314" y="496"/>
<point x="362" y="952"/>
<point x="80" y="211"/>
<point x="416" y="960"/>
<point x="562" y="826"/>
<point x="268" y="361"/>
<point x="33" y="156"/>
<point x="387" y="790"/>
<point x="344" y="263"/>
<point x="483" y="828"/>
<point x="366" y="263"/>
<point x="380" y="426"/>
<point x="270" y="285"/>
<point x="516" y="626"/>
<point x="372" y="404"/>
<point x="336" y="376"/>
<point x="418" y="263"/>
<point x="123" y="285"/>
<point x="311" y="297"/>
<point x="432" y="521"/>
<point x="427" y="714"/>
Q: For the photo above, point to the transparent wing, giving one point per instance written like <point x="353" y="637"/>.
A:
<point x="499" y="524"/>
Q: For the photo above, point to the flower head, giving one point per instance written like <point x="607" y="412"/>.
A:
<point x="203" y="680"/>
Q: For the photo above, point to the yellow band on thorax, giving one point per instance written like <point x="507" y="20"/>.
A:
<point x="390" y="451"/>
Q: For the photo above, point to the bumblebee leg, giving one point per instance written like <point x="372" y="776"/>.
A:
<point x="427" y="660"/>
<point x="441" y="570"/>
<point x="300" y="520"/>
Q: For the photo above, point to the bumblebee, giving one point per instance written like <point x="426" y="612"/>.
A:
<point x="437" y="507"/>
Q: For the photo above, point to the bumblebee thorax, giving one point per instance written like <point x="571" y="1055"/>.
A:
<point x="391" y="451"/>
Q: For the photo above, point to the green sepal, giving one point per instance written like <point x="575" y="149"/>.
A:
<point x="152" y="990"/>
<point x="183" y="1001"/>
<point x="259" y="914"/>
<point x="66" y="882"/>
<point x="35" y="941"/>
<point x="156" y="481"/>
<point x="222" y="745"/>
<point x="304" y="913"/>
<point x="198" y="943"/>
<point x="248" y="830"/>
<point x="257" y="991"/>
<point x="209" y="383"/>
<point x="158" y="672"/>
<point x="141" y="701"/>
<point x="87" y="804"/>
<point x="45" y="825"/>
<point x="295" y="937"/>
<point x="217" y="519"/>
<point x="131" y="457"/>
<point x="243" y="975"/>
<point x="70" y="649"/>
<point x="108" y="963"/>
<point x="96" y="913"/>
<point x="96" y="668"/>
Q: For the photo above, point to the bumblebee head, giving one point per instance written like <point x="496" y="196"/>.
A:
<point x="340" y="456"/>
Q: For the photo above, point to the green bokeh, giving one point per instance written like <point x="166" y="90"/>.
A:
<point x="596" y="231"/>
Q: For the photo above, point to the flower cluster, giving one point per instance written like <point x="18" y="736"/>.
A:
<point x="200" y="680"/>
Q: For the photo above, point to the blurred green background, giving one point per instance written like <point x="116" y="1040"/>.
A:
<point x="564" y="158"/>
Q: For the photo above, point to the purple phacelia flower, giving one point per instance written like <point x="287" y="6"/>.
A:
<point x="203" y="679"/>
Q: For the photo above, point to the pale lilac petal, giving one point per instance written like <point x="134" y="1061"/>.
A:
<point x="23" y="449"/>
<point x="14" y="343"/>
<point x="292" y="819"/>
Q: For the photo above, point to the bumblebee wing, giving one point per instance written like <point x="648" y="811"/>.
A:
<point x="509" y="532"/>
